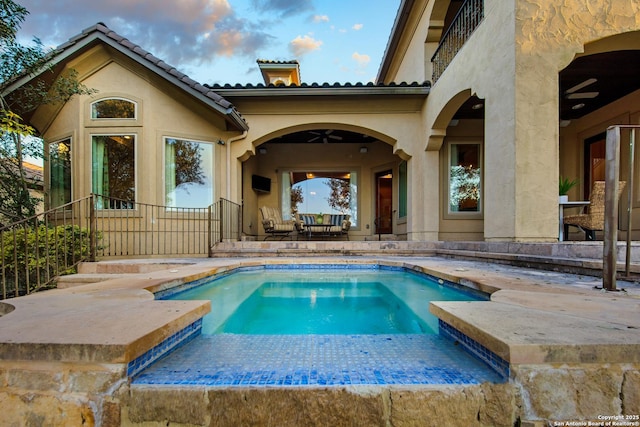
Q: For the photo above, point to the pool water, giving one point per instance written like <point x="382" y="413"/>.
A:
<point x="296" y="327"/>
<point x="322" y="308"/>
<point x="343" y="301"/>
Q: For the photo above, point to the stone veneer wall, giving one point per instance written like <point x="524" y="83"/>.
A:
<point x="67" y="394"/>
<point x="566" y="392"/>
<point x="37" y="393"/>
<point x="480" y="405"/>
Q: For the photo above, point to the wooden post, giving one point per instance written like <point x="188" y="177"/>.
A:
<point x="632" y="155"/>
<point x="612" y="174"/>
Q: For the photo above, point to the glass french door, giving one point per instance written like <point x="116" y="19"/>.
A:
<point x="384" y="203"/>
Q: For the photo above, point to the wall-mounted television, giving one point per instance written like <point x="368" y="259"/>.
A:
<point x="261" y="183"/>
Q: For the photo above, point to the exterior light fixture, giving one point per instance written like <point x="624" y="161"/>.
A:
<point x="578" y="106"/>
<point x="364" y="150"/>
<point x="220" y="142"/>
<point x="477" y="106"/>
<point x="262" y="150"/>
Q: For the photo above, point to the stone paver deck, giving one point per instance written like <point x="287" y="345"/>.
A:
<point x="534" y="316"/>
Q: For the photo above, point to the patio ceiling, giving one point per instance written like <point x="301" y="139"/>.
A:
<point x="592" y="80"/>
<point x="323" y="136"/>
<point x="597" y="80"/>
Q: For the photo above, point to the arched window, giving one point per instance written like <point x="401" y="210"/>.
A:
<point x="113" y="108"/>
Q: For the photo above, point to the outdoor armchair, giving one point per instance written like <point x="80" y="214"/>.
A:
<point x="274" y="225"/>
<point x="593" y="220"/>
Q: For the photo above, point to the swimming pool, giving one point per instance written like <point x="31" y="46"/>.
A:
<point x="216" y="358"/>
<point x="294" y="301"/>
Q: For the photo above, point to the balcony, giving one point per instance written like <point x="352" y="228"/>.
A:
<point x="463" y="25"/>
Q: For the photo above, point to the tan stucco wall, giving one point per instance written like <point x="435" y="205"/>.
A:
<point x="511" y="61"/>
<point x="162" y="111"/>
<point x="395" y="122"/>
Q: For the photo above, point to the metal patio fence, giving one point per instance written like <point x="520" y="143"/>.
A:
<point x="37" y="250"/>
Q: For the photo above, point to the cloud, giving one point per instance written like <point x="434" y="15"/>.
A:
<point x="362" y="59"/>
<point x="284" y="7"/>
<point x="358" y="27"/>
<point x="303" y="45"/>
<point x="320" y="18"/>
<point x="184" y="33"/>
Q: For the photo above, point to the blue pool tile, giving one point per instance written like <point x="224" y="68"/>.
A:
<point x="165" y="347"/>
<point x="500" y="365"/>
<point x="317" y="360"/>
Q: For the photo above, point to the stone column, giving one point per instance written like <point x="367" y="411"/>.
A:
<point x="424" y="201"/>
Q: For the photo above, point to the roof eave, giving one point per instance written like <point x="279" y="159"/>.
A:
<point x="69" y="49"/>
<point x="421" y="90"/>
<point x="394" y="39"/>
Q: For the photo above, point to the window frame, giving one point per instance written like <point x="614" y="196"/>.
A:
<point x="403" y="190"/>
<point x="354" y="171"/>
<point x="447" y="197"/>
<point x="50" y="170"/>
<point x="135" y="164"/>
<point x="117" y="98"/>
<point x="164" y="169"/>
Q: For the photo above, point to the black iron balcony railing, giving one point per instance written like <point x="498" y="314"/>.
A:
<point x="463" y="25"/>
<point x="37" y="250"/>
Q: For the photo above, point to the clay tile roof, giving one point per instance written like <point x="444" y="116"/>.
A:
<point x="326" y="85"/>
<point x="269" y="61"/>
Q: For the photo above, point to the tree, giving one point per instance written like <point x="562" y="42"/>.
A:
<point x="188" y="163"/>
<point x="465" y="186"/>
<point x="17" y="61"/>
<point x="296" y="198"/>
<point x="340" y="197"/>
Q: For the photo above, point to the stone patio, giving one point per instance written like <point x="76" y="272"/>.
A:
<point x="574" y="350"/>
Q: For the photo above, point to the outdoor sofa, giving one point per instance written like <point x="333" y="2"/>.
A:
<point x="324" y="225"/>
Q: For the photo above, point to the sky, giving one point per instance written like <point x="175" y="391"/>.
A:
<point x="219" y="41"/>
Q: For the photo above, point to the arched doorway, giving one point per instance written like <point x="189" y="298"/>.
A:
<point x="325" y="170"/>
<point x="588" y="87"/>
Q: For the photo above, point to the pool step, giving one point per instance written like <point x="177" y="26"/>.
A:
<point x="325" y="291"/>
<point x="571" y="257"/>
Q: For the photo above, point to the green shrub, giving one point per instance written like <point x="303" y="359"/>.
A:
<point x="35" y="256"/>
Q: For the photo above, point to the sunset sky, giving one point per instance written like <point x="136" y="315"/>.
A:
<point x="219" y="41"/>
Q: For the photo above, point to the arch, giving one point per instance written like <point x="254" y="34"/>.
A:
<point x="442" y="120"/>
<point x="114" y="107"/>
<point x="436" y="20"/>
<point x="603" y="72"/>
<point x="323" y="125"/>
<point x="617" y="42"/>
<point x="622" y="41"/>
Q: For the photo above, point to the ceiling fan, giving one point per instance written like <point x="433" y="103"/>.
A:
<point x="326" y="135"/>
<point x="572" y="93"/>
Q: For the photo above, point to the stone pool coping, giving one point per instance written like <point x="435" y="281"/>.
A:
<point x="531" y="318"/>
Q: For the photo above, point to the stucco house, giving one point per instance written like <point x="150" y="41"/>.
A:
<point x="479" y="107"/>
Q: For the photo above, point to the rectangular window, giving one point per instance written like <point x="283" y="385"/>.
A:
<point x="320" y="192"/>
<point x="188" y="173"/>
<point x="59" y="173"/>
<point x="402" y="189"/>
<point x="113" y="161"/>
<point x="464" y="178"/>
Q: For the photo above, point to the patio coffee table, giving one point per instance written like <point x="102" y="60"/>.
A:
<point x="321" y="229"/>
